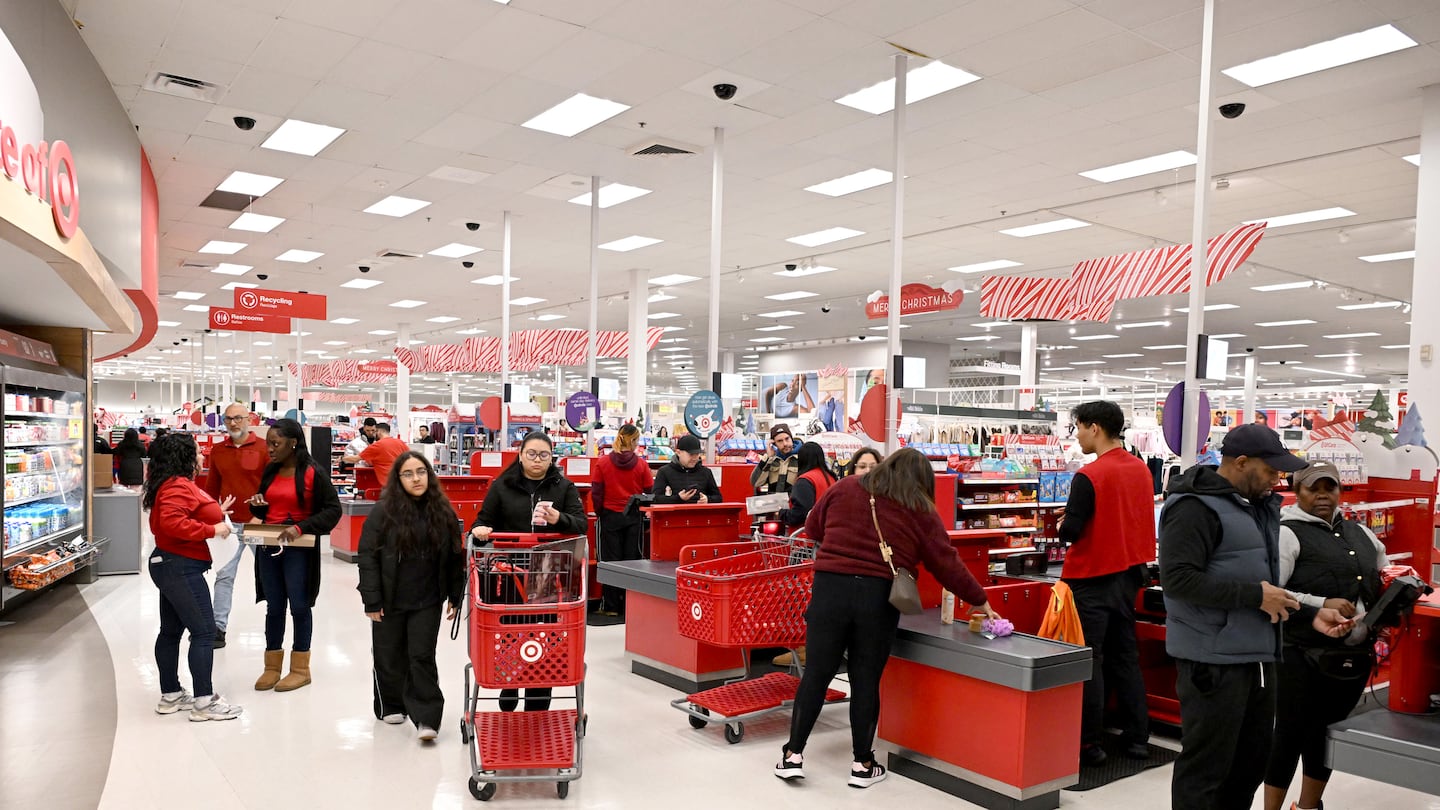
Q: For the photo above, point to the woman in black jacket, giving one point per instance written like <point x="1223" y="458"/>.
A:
<point x="411" y="562"/>
<point x="296" y="492"/>
<point x="531" y="495"/>
<point x="131" y="451"/>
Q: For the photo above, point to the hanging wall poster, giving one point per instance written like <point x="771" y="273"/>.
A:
<point x="789" y="396"/>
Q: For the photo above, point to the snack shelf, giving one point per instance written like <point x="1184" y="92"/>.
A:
<point x="33" y="498"/>
<point x="31" y="415"/>
<point x="37" y="542"/>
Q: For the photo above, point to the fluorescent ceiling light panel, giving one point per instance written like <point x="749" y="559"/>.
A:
<point x="1087" y="362"/>
<point x="408" y="303"/>
<point x="396" y="206"/>
<point x="254" y="185"/>
<point x="455" y="250"/>
<point x="552" y="316"/>
<point x="782" y="313"/>
<point x="301" y="137"/>
<point x="1143" y="166"/>
<point x="1210" y="307"/>
<point x="630" y="243"/>
<point x="673" y="279"/>
<point x="223" y="248"/>
<point x="361" y="283"/>
<point x="1174" y="363"/>
<point x="1412" y="159"/>
<point x="767" y="340"/>
<point x="1166" y="346"/>
<point x="344" y="321"/>
<point x="196" y="308"/>
<point x="659" y="297"/>
<point x="660" y="316"/>
<point x="988" y="324"/>
<point x="775" y="328"/>
<point x="1346" y="335"/>
<point x="612" y="194"/>
<point x="1141" y="325"/>
<point x="167" y="323"/>
<point x="1389" y="257"/>
<point x="186" y="295"/>
<point x="1388" y="346"/>
<point x="1371" y="305"/>
<point x="493" y="281"/>
<point x="1318" y="215"/>
<point x="985" y="267"/>
<point x="227" y="269"/>
<point x="525" y="301"/>
<point x="801" y="272"/>
<point x="1288" y="285"/>
<point x="258" y="223"/>
<point x="1341" y="354"/>
<point x="920" y="83"/>
<point x="884" y="328"/>
<point x="443" y="319"/>
<point x="1287" y="346"/>
<point x="1228" y="335"/>
<point x="1120" y="356"/>
<point x="382" y="332"/>
<point x="576" y="114"/>
<point x="471" y="331"/>
<point x="1321" y="56"/>
<point x="1040" y="229"/>
<point x="851" y="183"/>
<point x="1299" y="322"/>
<point x="336" y="343"/>
<point x="824" y="237"/>
<point x="1327" y="371"/>
<point x="793" y="295"/>
<point x="298" y="256"/>
<point x="979" y="337"/>
<point x="1095" y="337"/>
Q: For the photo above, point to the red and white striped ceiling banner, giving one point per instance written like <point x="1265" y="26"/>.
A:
<point x="529" y="350"/>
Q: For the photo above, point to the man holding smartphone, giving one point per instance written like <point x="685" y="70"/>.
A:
<point x="776" y="472"/>
<point x="686" y="479"/>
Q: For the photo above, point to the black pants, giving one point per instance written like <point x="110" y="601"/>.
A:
<point x="846" y="614"/>
<point x="619" y="540"/>
<point x="1107" y="617"/>
<point x="1308" y="703"/>
<point x="406" y="678"/>
<point x="536" y="700"/>
<point x="1227" y="714"/>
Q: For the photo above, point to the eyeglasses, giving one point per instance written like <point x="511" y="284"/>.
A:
<point x="539" y="455"/>
<point x="239" y="418"/>
<point x="414" y="475"/>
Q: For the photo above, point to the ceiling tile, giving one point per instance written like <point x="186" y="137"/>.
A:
<point x="267" y="91"/>
<point x="307" y="51"/>
<point x="221" y="29"/>
<point x="378" y="67"/>
<point x="355" y="17"/>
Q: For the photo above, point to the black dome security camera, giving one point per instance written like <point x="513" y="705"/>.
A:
<point x="467" y="264"/>
<point x="474" y="226"/>
<point x="261" y="276"/>
<point x="245" y="122"/>
<point x="185" y="340"/>
<point x="825" y="308"/>
<point x="1234" y="109"/>
<point x="1249" y="349"/>
<point x="364" y="268"/>
<point x="861" y="337"/>
<point x="790" y="268"/>
<point x="208" y="331"/>
<point x="725" y="92"/>
<point x="174" y="343"/>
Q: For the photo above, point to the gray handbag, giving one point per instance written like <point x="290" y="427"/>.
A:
<point x="904" y="593"/>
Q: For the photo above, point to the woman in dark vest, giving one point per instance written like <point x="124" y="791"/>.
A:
<point x="131" y="452"/>
<point x="813" y="479"/>
<point x="1325" y="561"/>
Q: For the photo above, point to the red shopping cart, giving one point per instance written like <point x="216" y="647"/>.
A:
<point x="746" y="595"/>
<point x="527" y="629"/>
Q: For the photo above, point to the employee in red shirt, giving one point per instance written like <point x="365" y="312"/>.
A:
<point x="235" y="467"/>
<point x="1109" y="525"/>
<point x="183" y="517"/>
<point x="381" y="453"/>
<point x="617" y="477"/>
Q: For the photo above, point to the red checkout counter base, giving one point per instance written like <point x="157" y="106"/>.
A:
<point x="345" y="537"/>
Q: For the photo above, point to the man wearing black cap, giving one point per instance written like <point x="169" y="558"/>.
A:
<point x="685" y="479"/>
<point x="1219" y="555"/>
<point x="776" y="472"/>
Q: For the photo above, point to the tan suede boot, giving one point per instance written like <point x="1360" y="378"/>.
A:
<point x="274" y="661"/>
<point x="299" y="672"/>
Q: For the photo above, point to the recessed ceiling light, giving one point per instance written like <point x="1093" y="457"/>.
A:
<point x="1144" y="368"/>
<point x="196" y="308"/>
<point x="1328" y="371"/>
<point x="1342" y="354"/>
<point x="258" y="223"/>
<point x="443" y="319"/>
<point x="824" y="237"/>
<point x="1042" y="228"/>
<point x="658" y="297"/>
<point x="1371" y="305"/>
<point x="660" y="316"/>
<point x="1087" y="362"/>
<point x="1321" y="56"/>
<point x="302" y="137"/>
<point x="1287" y="346"/>
<point x="223" y="248"/>
<point x="1228" y="335"/>
<point x="1166" y="346"/>
<point x="988" y="324"/>
<point x="1210" y="307"/>
<point x="979" y="337"/>
<point x="167" y="323"/>
<point x="493" y="281"/>
<point x="781" y="313"/>
<point x="1095" y="337"/>
<point x="1389" y="257"/>
<point x="1120" y="356"/>
<point x="920" y="83"/>
<point x="1143" y="166"/>
<point x="1143" y="324"/>
<point x="1412" y="159"/>
<point x="525" y="301"/>
<point x="396" y="206"/>
<point x="612" y="194"/>
<point x="1298" y="322"/>
<point x="801" y="271"/>
<point x="793" y="295"/>
<point x="630" y="243"/>
<point x="470" y="331"/>
<point x="575" y="115"/>
<point x="298" y="256"/>
<point x="363" y="351"/>
<point x="984" y="267"/>
<point x="227" y="269"/>
<point x="1396" y="346"/>
<point x="186" y="295"/>
<point x="382" y="332"/>
<point x="1289" y="285"/>
<point x="362" y="283"/>
<point x="1345" y="335"/>
<point x="263" y="343"/>
<point x="885" y="328"/>
<point x="776" y="328"/>
<point x="851" y="183"/>
<point x="673" y="280"/>
<point x="455" y="250"/>
<point x="1173" y="363"/>
<point x="1318" y="215"/>
<point x="549" y="316"/>
<point x="344" y="321"/>
<point x="767" y="340"/>
<point x="336" y="343"/>
<point x="254" y="185"/>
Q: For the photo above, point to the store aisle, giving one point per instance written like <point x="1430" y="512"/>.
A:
<point x="319" y="747"/>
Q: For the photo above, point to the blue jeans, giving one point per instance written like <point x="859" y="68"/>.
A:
<point x="283" y="581"/>
<point x="225" y="588"/>
<point x="184" y="605"/>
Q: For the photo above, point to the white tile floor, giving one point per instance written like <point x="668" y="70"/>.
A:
<point x="319" y="747"/>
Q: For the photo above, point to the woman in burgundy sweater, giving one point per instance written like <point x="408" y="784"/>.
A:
<point x="617" y="477"/>
<point x="850" y="610"/>
<point x="182" y="518"/>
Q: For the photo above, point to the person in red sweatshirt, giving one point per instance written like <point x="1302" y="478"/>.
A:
<point x="183" y="517"/>
<point x="615" y="479"/>
<point x="1109" y="525"/>
<point x="381" y="453"/>
<point x="850" y="610"/>
<point x="235" y="468"/>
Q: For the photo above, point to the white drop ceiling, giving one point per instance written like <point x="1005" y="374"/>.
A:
<point x="432" y="96"/>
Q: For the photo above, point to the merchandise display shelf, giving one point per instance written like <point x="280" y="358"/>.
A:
<point x="1016" y="505"/>
<point x="32" y="415"/>
<point x="980" y="481"/>
<point x="34" y="498"/>
<point x="36" y="543"/>
<point x="46" y="443"/>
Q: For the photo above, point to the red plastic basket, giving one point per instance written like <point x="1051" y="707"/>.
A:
<point x="747" y="600"/>
<point x="527" y="645"/>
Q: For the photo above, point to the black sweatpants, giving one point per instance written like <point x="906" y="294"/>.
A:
<point x="1227" y="715"/>
<point x="1107" y="617"/>
<point x="619" y="540"/>
<point x="846" y="614"/>
<point x="406" y="678"/>
<point x="1307" y="704"/>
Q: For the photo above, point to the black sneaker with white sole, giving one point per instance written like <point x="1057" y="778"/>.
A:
<point x="790" y="766"/>
<point x="863" y="777"/>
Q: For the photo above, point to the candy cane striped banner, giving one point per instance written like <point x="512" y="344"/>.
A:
<point x="1003" y="296"/>
<point x="339" y="372"/>
<point x="529" y="350"/>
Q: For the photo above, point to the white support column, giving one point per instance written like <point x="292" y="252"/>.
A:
<point x="1249" y="414"/>
<point x="1029" y="363"/>
<point x="592" y="338"/>
<point x="504" y="441"/>
<point x="717" y="203"/>
<point x="401" y="428"/>
<point x="897" y="255"/>
<point x="455" y="392"/>
<point x="1199" y="261"/>
<point x="1424" y="383"/>
<point x="639" y="322"/>
<point x="292" y="382"/>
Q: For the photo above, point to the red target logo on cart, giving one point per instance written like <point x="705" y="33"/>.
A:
<point x="695" y="611"/>
<point x="532" y="651"/>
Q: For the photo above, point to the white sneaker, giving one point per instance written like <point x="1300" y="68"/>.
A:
<point x="426" y="734"/>
<point x="394" y="719"/>
<point x="175" y="702"/>
<point x="213" y="707"/>
<point x="863" y="777"/>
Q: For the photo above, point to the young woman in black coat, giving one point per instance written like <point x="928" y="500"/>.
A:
<point x="411" y="563"/>
<point x="131" y="452"/>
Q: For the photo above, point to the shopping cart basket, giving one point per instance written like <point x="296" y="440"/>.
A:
<point x="746" y="595"/>
<point x="527" y="629"/>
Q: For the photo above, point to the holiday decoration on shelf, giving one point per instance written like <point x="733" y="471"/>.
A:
<point x="1412" y="430"/>
<point x="1378" y="420"/>
<point x="1338" y="428"/>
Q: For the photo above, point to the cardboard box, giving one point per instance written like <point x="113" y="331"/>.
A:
<point x="102" y="474"/>
<point x="268" y="534"/>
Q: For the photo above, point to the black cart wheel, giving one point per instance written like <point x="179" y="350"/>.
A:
<point x="481" y="790"/>
<point x="696" y="722"/>
<point x="562" y="789"/>
<point x="734" y="732"/>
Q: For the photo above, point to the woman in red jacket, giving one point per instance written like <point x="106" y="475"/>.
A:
<point x="615" y="479"/>
<point x="810" y="484"/>
<point x="182" y="518"/>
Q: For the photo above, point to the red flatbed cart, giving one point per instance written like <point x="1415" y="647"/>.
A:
<point x="527" y="630"/>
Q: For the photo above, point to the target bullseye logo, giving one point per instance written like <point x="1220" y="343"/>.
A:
<point x="249" y="300"/>
<point x="222" y="318"/>
<point x="695" y="611"/>
<point x="532" y="651"/>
